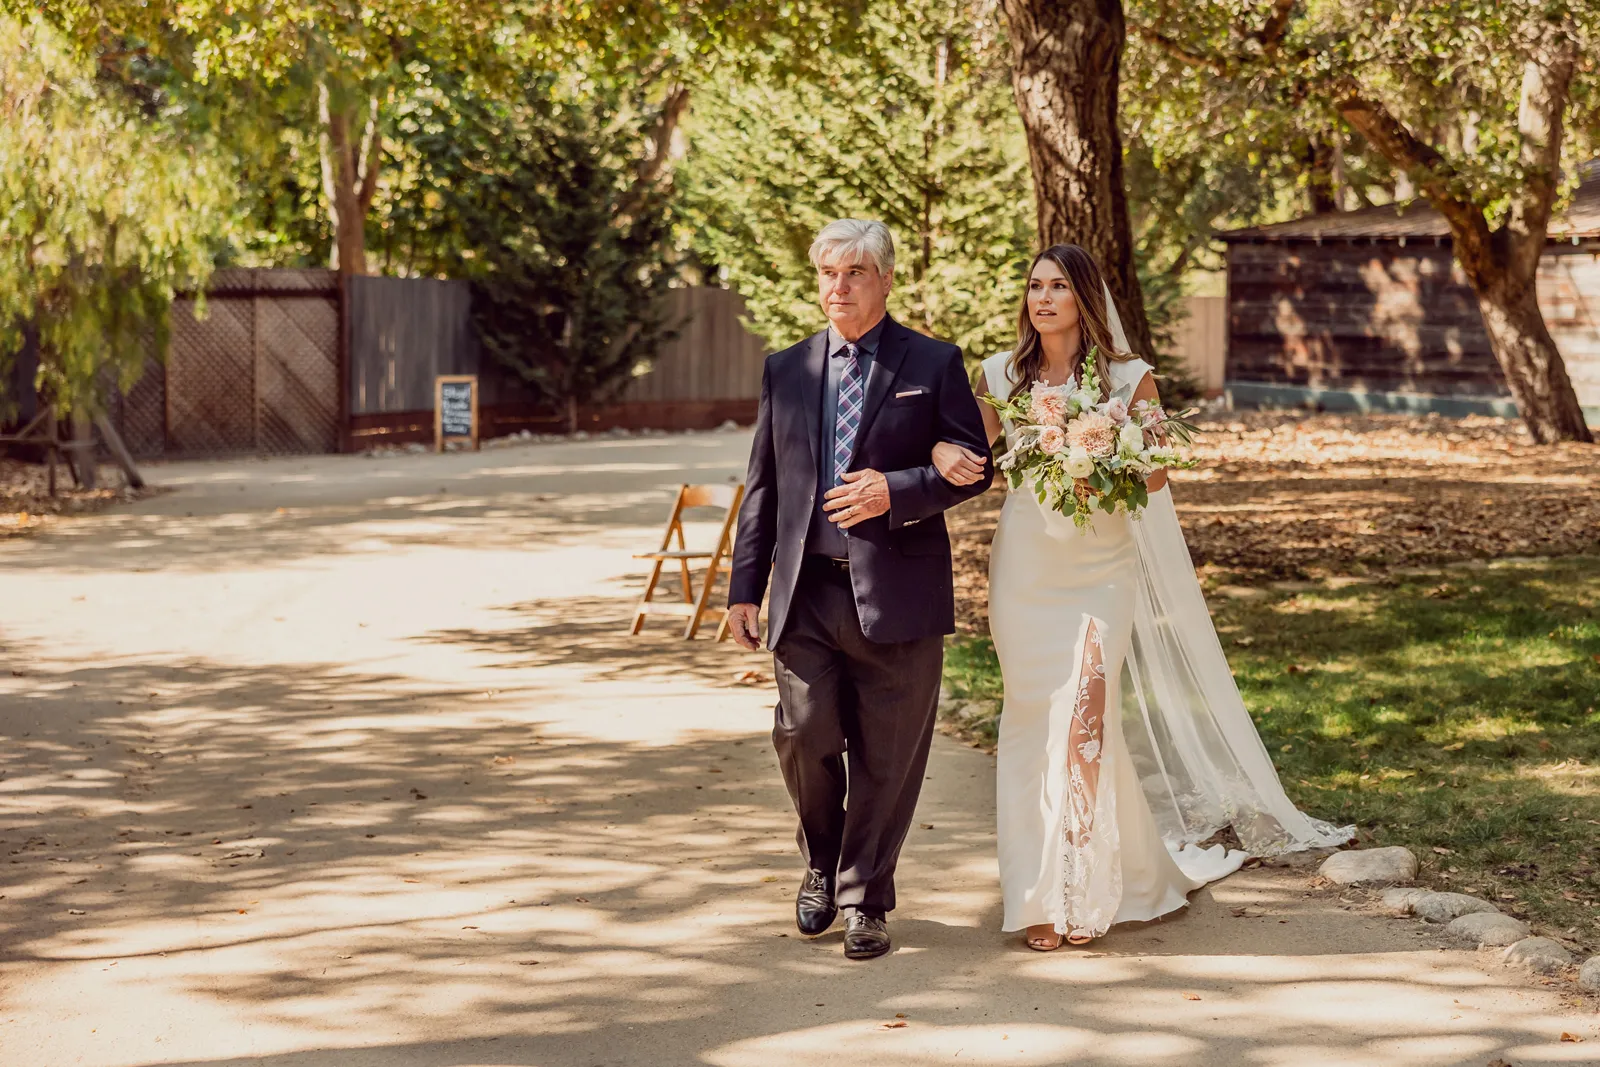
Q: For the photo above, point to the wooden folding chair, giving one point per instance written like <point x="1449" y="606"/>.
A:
<point x="696" y="607"/>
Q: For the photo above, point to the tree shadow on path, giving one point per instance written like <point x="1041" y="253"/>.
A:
<point x="400" y="875"/>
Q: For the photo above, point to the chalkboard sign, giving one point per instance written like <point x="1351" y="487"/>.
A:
<point x="455" y="409"/>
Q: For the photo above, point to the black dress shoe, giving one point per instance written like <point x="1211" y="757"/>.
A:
<point x="865" y="937"/>
<point x="814" y="909"/>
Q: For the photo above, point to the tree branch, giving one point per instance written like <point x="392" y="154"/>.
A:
<point x="654" y="164"/>
<point x="1427" y="168"/>
<point x="1171" y="47"/>
<point x="1546" y="88"/>
<point x="370" y="157"/>
<point x="1277" y="24"/>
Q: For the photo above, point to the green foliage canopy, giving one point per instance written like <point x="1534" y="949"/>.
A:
<point x="912" y="124"/>
<point x="103" y="213"/>
<point x="533" y="195"/>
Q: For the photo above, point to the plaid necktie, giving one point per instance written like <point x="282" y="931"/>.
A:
<point x="848" y="412"/>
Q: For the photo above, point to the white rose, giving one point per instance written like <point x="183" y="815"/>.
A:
<point x="1131" y="437"/>
<point x="1085" y="400"/>
<point x="1078" y="464"/>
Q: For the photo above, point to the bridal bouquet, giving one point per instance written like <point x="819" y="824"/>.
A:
<point x="1081" y="453"/>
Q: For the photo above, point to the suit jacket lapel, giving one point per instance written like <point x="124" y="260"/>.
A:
<point x="812" y="380"/>
<point x="885" y="368"/>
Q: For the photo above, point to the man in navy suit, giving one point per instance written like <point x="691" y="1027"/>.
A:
<point x="844" y="513"/>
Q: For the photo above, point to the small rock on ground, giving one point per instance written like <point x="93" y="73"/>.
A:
<point x="1589" y="975"/>
<point x="1538" y="954"/>
<point x="1443" y="907"/>
<point x="1399" y="901"/>
<point x="1488" y="928"/>
<point x="1370" y="866"/>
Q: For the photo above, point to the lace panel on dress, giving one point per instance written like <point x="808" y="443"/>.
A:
<point x="1091" y="889"/>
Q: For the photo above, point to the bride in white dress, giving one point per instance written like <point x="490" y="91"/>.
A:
<point x="1123" y="740"/>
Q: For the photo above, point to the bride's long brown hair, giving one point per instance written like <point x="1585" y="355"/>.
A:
<point x="1089" y="291"/>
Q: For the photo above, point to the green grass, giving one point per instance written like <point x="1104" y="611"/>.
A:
<point x="1458" y="711"/>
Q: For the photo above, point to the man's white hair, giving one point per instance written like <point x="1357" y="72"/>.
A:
<point x="858" y="241"/>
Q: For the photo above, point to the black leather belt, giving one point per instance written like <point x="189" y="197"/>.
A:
<point x="829" y="565"/>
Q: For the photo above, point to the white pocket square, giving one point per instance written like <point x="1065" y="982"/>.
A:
<point x="910" y="392"/>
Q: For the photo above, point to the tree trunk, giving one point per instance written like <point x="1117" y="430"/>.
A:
<point x="657" y="164"/>
<point x="1502" y="265"/>
<point x="1528" y="357"/>
<point x="84" y="466"/>
<point x="1065" y="71"/>
<point x="1320" y="180"/>
<point x="349" y="173"/>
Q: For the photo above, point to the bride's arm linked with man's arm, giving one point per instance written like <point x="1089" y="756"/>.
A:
<point x="904" y="496"/>
<point x="908" y="496"/>
<point x="959" y="466"/>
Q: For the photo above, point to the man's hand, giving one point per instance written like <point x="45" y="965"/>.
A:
<point x="865" y="495"/>
<point x="957" y="465"/>
<point x="744" y="622"/>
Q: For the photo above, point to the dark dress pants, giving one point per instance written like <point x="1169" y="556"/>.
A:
<point x="854" y="722"/>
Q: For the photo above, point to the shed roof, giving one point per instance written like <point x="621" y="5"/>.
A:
<point x="1418" y="218"/>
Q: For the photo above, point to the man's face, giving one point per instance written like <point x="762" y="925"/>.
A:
<point x="853" y="294"/>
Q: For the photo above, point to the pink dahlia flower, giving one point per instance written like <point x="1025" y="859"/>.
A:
<point x="1052" y="439"/>
<point x="1048" y="405"/>
<point x="1094" y="433"/>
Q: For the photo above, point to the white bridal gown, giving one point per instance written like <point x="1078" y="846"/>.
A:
<point x="1099" y="814"/>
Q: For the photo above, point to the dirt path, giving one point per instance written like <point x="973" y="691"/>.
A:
<point x="343" y="762"/>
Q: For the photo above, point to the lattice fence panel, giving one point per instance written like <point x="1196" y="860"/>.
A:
<point x="211" y="377"/>
<point x="141" y="415"/>
<point x="297" y="373"/>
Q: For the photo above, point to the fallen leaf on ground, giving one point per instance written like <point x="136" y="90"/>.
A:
<point x="897" y="1024"/>
<point x="76" y="911"/>
<point x="1191" y="996"/>
<point x="1570" y="1038"/>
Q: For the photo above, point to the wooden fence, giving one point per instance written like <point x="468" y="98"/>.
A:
<point x="713" y="357"/>
<point x="297" y="361"/>
<point x="1201" y="342"/>
<point x="258" y="370"/>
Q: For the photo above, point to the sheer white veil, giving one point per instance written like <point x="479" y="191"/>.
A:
<point x="1118" y="336"/>
<point x="1201" y="761"/>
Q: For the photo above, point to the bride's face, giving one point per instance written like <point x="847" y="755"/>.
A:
<point x="1052" y="307"/>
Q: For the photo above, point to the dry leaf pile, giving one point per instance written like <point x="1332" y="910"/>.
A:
<point x="1299" y="495"/>
<point x="25" y="504"/>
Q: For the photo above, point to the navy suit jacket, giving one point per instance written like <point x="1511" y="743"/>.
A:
<point x="917" y="395"/>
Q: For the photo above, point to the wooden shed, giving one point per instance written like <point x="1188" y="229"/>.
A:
<point x="1367" y="310"/>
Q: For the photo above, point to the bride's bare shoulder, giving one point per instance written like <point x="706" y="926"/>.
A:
<point x="996" y="378"/>
<point x="1130" y="372"/>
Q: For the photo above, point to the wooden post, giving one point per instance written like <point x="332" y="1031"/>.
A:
<point x="83" y="464"/>
<point x="120" y="450"/>
<point x="50" y="449"/>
